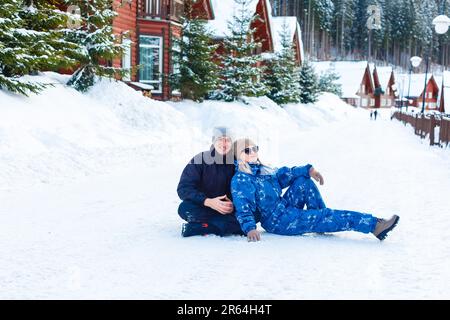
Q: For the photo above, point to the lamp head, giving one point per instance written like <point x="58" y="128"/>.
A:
<point x="415" y="61"/>
<point x="441" y="24"/>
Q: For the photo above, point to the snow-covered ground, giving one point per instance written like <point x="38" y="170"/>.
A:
<point x="88" y="201"/>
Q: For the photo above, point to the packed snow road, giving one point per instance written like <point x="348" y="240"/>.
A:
<point x="117" y="234"/>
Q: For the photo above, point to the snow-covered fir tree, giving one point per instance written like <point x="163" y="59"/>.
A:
<point x="360" y="31"/>
<point x="31" y="40"/>
<point x="283" y="76"/>
<point x="309" y="86"/>
<point x="195" y="72"/>
<point x="99" y="45"/>
<point x="396" y="19"/>
<point x="240" y="75"/>
<point x="52" y="50"/>
<point x="324" y="10"/>
<point x="342" y="24"/>
<point x="426" y="11"/>
<point x="328" y="83"/>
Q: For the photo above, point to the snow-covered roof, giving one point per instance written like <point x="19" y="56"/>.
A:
<point x="224" y="10"/>
<point x="416" y="87"/>
<point x="384" y="74"/>
<point x="351" y="74"/>
<point x="278" y="28"/>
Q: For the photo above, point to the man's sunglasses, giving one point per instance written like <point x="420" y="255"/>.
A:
<point x="254" y="149"/>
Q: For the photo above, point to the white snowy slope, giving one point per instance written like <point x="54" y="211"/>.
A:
<point x="88" y="203"/>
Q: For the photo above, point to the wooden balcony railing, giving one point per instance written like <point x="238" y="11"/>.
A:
<point x="161" y="9"/>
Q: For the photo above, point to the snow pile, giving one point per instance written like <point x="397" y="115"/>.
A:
<point x="327" y="109"/>
<point x="63" y="134"/>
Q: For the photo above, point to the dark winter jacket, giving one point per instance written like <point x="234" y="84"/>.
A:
<point x="207" y="175"/>
<point x="260" y="193"/>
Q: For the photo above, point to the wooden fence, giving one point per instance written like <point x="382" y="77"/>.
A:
<point x="436" y="127"/>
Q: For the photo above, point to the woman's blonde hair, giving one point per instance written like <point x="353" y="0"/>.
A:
<point x="238" y="147"/>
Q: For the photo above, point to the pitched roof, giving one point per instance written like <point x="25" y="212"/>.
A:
<point x="384" y="74"/>
<point x="224" y="10"/>
<point x="415" y="87"/>
<point x="277" y="27"/>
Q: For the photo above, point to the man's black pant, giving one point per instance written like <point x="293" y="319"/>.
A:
<point x="192" y="212"/>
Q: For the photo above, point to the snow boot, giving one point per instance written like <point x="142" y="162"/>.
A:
<point x="199" y="229"/>
<point x="383" y="227"/>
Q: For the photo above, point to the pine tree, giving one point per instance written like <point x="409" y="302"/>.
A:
<point x="328" y="83"/>
<point x="308" y="84"/>
<point x="378" y="34"/>
<point x="99" y="45"/>
<point x="359" y="33"/>
<point x="52" y="50"/>
<point x="240" y="75"/>
<point x="30" y="41"/>
<point x="324" y="10"/>
<point x="283" y="77"/>
<point x="426" y="12"/>
<point x="195" y="73"/>
<point x="342" y="26"/>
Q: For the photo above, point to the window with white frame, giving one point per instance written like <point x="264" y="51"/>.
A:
<point x="372" y="102"/>
<point x="430" y="95"/>
<point x="363" y="88"/>
<point x="150" y="59"/>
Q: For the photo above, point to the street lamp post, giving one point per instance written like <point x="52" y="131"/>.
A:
<point x="427" y="62"/>
<point x="414" y="63"/>
<point x="441" y="25"/>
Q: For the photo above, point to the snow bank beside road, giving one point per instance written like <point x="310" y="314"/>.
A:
<point x="62" y="134"/>
<point x="90" y="238"/>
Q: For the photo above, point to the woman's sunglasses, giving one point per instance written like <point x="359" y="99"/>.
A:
<point x="254" y="149"/>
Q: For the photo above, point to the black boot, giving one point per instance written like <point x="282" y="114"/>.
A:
<point x="199" y="229"/>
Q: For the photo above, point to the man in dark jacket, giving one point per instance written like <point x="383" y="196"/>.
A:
<point x="204" y="188"/>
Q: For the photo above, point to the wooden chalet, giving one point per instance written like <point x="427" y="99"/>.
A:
<point x="366" y="90"/>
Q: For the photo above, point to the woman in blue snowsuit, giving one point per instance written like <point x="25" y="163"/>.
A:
<point x="257" y="189"/>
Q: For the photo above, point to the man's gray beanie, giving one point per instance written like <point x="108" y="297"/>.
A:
<point x="222" y="132"/>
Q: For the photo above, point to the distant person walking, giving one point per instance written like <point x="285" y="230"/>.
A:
<point x="375" y="113"/>
<point x="371" y="115"/>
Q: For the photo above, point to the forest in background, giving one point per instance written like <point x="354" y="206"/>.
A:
<point x="337" y="29"/>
